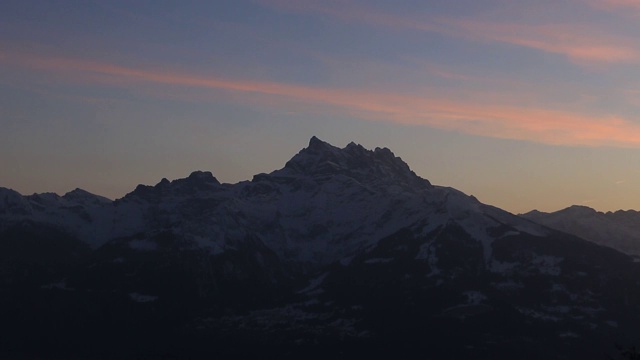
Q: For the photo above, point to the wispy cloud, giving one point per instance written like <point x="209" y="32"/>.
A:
<point x="579" y="43"/>
<point x="463" y="114"/>
<point x="613" y="5"/>
<point x="350" y="11"/>
<point x="576" y="42"/>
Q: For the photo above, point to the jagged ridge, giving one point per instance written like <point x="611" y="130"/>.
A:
<point x="341" y="249"/>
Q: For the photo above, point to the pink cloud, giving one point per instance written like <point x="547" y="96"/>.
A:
<point x="465" y="114"/>
<point x="615" y="4"/>
<point x="579" y="43"/>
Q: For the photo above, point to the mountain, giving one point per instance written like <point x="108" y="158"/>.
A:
<point x="343" y="252"/>
<point x="85" y="215"/>
<point x="619" y="230"/>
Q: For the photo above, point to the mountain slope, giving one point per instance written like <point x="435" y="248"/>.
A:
<point x="78" y="212"/>
<point x="342" y="251"/>
<point x="619" y="230"/>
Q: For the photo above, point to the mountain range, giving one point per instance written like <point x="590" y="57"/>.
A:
<point x="342" y="252"/>
<point x="619" y="230"/>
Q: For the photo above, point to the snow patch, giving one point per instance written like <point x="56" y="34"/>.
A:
<point x="502" y="267"/>
<point x="61" y="285"/>
<point x="547" y="264"/>
<point x="313" y="285"/>
<point x="474" y="297"/>
<point x="427" y="252"/>
<point x="537" y="314"/>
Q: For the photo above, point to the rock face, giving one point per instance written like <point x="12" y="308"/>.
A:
<point x="342" y="251"/>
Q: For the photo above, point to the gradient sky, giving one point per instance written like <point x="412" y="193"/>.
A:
<point x="523" y="104"/>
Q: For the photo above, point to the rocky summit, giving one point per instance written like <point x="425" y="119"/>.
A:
<point x="343" y="252"/>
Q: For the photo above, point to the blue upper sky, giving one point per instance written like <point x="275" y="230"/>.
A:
<point x="527" y="104"/>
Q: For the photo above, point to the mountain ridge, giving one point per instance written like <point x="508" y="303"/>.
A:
<point x="617" y="229"/>
<point x="340" y="251"/>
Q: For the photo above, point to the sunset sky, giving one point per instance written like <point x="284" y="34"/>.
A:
<point x="523" y="104"/>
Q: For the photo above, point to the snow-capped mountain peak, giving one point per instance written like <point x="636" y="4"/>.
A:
<point x="326" y="203"/>
<point x="332" y="240"/>
<point x="377" y="168"/>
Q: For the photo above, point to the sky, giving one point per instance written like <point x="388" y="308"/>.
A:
<point x="523" y="104"/>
